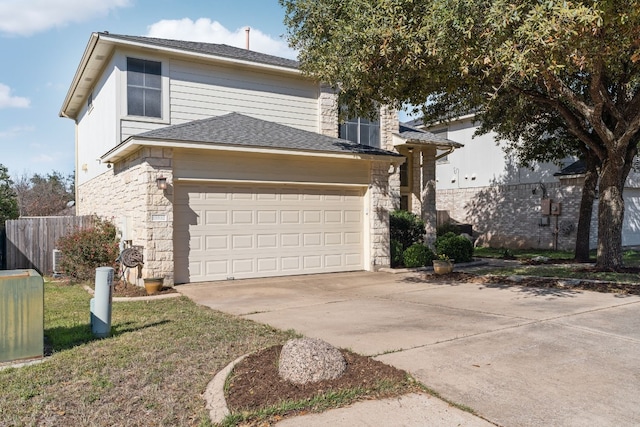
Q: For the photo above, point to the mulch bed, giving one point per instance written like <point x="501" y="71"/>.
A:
<point x="121" y="289"/>
<point x="255" y="382"/>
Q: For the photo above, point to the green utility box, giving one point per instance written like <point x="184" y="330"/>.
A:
<point x="21" y="315"/>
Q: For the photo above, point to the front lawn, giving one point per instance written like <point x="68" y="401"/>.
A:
<point x="559" y="265"/>
<point x="151" y="371"/>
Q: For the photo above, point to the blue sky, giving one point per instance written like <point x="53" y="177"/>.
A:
<point x="42" y="41"/>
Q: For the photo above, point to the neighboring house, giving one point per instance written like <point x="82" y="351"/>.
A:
<point x="504" y="202"/>
<point x="223" y="163"/>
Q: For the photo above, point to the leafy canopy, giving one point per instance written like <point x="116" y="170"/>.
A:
<point x="558" y="77"/>
<point x="577" y="62"/>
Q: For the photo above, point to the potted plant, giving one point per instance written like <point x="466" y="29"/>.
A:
<point x="443" y="264"/>
<point x="153" y="284"/>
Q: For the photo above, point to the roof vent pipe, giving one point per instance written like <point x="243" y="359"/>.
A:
<point x="247" y="38"/>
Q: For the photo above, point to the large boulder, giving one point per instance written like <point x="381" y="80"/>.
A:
<point x="306" y="360"/>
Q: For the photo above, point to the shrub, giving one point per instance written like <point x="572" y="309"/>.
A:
<point x="447" y="227"/>
<point x="83" y="250"/>
<point x="458" y="248"/>
<point x="396" y="253"/>
<point x="418" y="255"/>
<point x="406" y="228"/>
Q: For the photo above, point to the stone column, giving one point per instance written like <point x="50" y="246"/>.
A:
<point x="428" y="196"/>
<point x="415" y="204"/>
<point x="328" y="105"/>
<point x="381" y="203"/>
<point x="388" y="126"/>
<point x="158" y="245"/>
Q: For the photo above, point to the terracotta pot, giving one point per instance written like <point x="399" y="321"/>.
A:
<point x="442" y="267"/>
<point x="153" y="285"/>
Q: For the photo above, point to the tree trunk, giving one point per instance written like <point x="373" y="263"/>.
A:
<point x="611" y="213"/>
<point x="583" y="233"/>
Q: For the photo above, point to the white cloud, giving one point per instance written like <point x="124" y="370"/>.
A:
<point x="27" y="17"/>
<point x="205" y="30"/>
<point x="9" y="101"/>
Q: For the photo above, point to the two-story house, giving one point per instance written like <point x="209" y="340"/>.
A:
<point x="225" y="163"/>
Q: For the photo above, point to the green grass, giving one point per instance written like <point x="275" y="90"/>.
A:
<point x="151" y="371"/>
<point x="522" y="253"/>
<point x="631" y="257"/>
<point x="562" y="271"/>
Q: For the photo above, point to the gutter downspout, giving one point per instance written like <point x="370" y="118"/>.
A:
<point x="446" y="153"/>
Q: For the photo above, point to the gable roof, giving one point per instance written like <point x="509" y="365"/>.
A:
<point x="237" y="131"/>
<point x="413" y="135"/>
<point x="101" y="46"/>
<point x="213" y="49"/>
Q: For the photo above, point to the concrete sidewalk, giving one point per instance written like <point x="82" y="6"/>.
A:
<point x="518" y="356"/>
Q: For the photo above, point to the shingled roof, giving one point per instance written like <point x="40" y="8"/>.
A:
<point x="213" y="49"/>
<point x="420" y="136"/>
<point x="238" y="130"/>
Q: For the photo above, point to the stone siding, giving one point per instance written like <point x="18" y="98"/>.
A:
<point x="509" y="215"/>
<point x="128" y="196"/>
<point x="328" y="101"/>
<point x="382" y="197"/>
<point x="389" y="125"/>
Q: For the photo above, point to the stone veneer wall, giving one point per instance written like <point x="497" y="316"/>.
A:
<point x="128" y="195"/>
<point x="509" y="215"/>
<point x="328" y="101"/>
<point x="383" y="192"/>
<point x="389" y="125"/>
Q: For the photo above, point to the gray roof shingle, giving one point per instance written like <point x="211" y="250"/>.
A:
<point x="422" y="136"/>
<point x="239" y="130"/>
<point x="210" y="49"/>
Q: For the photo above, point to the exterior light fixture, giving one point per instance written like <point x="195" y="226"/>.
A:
<point x="161" y="181"/>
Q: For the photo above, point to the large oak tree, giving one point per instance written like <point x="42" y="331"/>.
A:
<point x="531" y="68"/>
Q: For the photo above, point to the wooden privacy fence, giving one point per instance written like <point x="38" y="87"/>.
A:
<point x="30" y="241"/>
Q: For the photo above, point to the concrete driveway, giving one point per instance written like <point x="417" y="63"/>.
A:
<point x="518" y="356"/>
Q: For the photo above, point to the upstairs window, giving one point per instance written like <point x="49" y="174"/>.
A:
<point x="144" y="88"/>
<point x="361" y="131"/>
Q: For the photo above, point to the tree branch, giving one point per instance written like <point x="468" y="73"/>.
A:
<point x="573" y="122"/>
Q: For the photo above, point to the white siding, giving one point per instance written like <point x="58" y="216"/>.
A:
<point x="97" y="127"/>
<point x="199" y="91"/>
<point x="135" y="127"/>
<point x="264" y="167"/>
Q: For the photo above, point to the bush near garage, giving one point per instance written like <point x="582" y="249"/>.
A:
<point x="83" y="250"/>
<point x="418" y="255"/>
<point x="396" y="253"/>
<point x="406" y="228"/>
<point x="458" y="248"/>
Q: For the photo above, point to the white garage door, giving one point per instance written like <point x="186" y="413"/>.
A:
<point x="235" y="232"/>
<point x="631" y="224"/>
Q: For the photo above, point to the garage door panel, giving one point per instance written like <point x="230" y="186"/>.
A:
<point x="242" y="241"/>
<point x="241" y="231"/>
<point x="216" y="217"/>
<point x="269" y="217"/>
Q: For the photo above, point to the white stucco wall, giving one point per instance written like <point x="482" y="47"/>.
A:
<point x="482" y="161"/>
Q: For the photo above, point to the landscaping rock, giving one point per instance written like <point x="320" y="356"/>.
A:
<point x="308" y="360"/>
